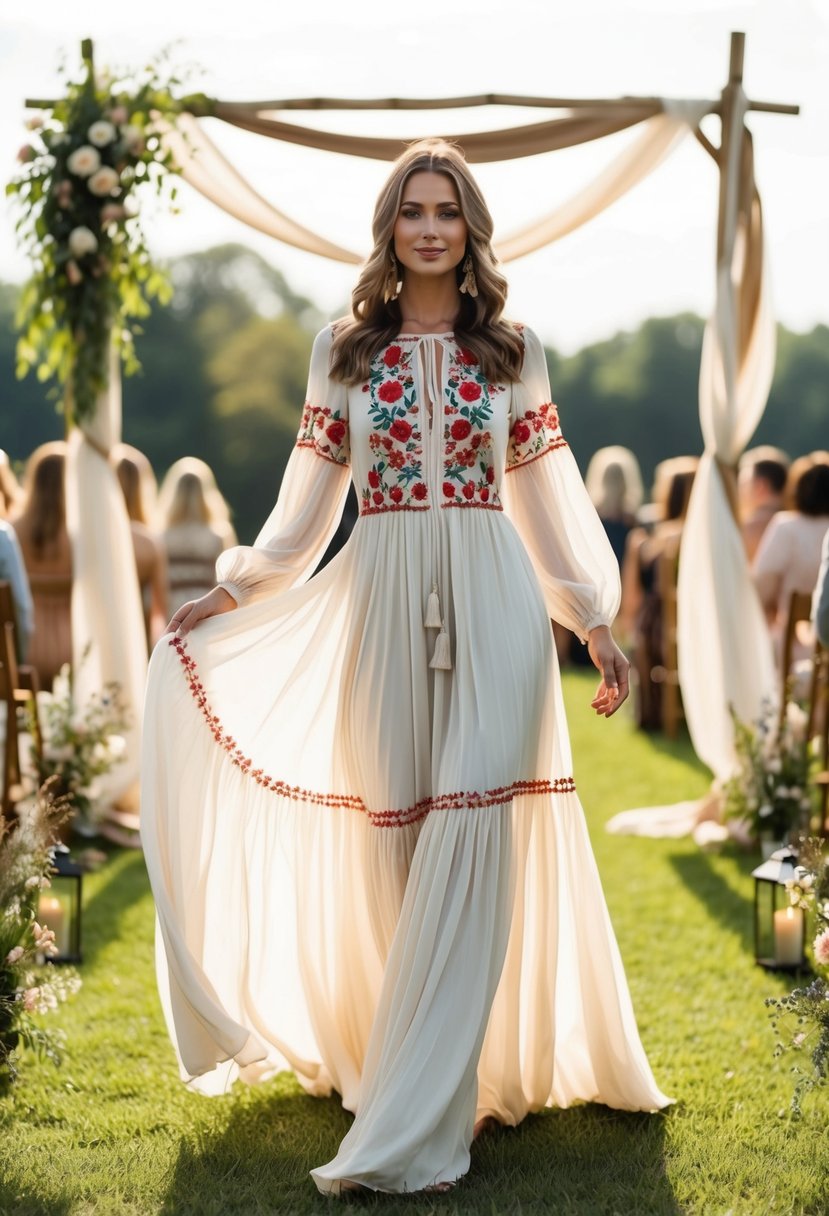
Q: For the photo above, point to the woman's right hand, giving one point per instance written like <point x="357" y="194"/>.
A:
<point x="215" y="602"/>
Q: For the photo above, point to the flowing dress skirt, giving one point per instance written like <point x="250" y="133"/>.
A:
<point x="375" y="873"/>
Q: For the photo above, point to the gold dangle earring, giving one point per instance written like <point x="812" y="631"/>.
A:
<point x="470" y="283"/>
<point x="394" y="282"/>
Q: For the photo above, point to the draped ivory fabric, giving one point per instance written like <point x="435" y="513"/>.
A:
<point x="208" y="171"/>
<point x="725" y="652"/>
<point x="108" y="638"/>
<point x="369" y="869"/>
<point x="529" y="139"/>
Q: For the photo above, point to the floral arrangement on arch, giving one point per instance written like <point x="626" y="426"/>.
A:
<point x="770" y="789"/>
<point x="83" y="166"/>
<point x="28" y="985"/>
<point x="801" y="1019"/>
<point x="81" y="742"/>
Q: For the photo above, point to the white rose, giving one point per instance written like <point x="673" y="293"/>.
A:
<point x="116" y="745"/>
<point x="104" y="181"/>
<point x="775" y="764"/>
<point x="765" y="810"/>
<point x="101" y="133"/>
<point x="84" y="161"/>
<point x="797" y="721"/>
<point x="82" y="241"/>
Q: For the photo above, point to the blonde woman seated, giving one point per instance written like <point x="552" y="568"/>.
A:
<point x="138" y="485"/>
<point x="196" y="528"/>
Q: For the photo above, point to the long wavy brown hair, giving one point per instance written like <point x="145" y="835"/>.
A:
<point x="479" y="326"/>
<point x="44" y="507"/>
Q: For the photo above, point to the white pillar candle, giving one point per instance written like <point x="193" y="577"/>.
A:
<point x="52" y="915"/>
<point x="788" y="935"/>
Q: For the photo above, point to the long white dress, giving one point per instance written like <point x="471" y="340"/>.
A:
<point x="371" y="869"/>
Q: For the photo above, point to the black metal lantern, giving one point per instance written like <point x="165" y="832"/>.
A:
<point x="779" y="927"/>
<point x="59" y="906"/>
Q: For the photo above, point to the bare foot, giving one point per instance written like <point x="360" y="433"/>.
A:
<point x="438" y="1188"/>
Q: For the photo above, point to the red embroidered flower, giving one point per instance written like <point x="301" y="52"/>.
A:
<point x="485" y="492"/>
<point x="419" y="491"/>
<point x="373" y="478"/>
<point x="448" y="490"/>
<point x="378" y="497"/>
<point x="397" y="459"/>
<point x="470" y="391"/>
<point x="490" y="474"/>
<point x="460" y="428"/>
<point x="336" y="432"/>
<point x="466" y="357"/>
<point x="469" y="491"/>
<point x="365" y="388"/>
<point x="392" y="356"/>
<point x="476" y="440"/>
<point x="391" y="391"/>
<point x="400" y="429"/>
<point x="395" y="494"/>
<point x="387" y="443"/>
<point x="521" y="432"/>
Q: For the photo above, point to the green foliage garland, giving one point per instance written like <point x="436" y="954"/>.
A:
<point x="76" y="193"/>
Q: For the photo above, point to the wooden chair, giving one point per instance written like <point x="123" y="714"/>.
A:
<point x="18" y="687"/>
<point x="667" y="674"/>
<point x="800" y="610"/>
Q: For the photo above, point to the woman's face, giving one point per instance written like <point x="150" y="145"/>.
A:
<point x="430" y="231"/>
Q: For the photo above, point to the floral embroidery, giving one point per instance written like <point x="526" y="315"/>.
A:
<point x="323" y="430"/>
<point x="469" y="460"/>
<point x="395" y="478"/>
<point x="397" y="817"/>
<point x="534" y="434"/>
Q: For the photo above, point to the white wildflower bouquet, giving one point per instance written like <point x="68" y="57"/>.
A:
<point x="801" y="1019"/>
<point x="770" y="789"/>
<point x="81" y="742"/>
<point x="28" y="985"/>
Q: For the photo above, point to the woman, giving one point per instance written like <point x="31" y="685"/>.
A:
<point x="44" y="541"/>
<point x="196" y="528"/>
<point x="788" y="557"/>
<point x="12" y="566"/>
<point x="380" y="877"/>
<point x="137" y="481"/>
<point x="651" y="558"/>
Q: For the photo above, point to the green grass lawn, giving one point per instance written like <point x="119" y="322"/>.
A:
<point x="114" y="1130"/>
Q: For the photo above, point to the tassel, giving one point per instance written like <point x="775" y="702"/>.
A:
<point x="433" y="618"/>
<point x="442" y="659"/>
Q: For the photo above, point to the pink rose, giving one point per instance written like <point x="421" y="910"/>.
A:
<point x="821" y="949"/>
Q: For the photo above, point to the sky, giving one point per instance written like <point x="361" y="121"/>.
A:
<point x="651" y="253"/>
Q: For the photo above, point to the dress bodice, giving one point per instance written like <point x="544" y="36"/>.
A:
<point x="427" y="428"/>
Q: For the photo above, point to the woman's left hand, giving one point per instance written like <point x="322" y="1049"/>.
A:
<point x="614" y="667"/>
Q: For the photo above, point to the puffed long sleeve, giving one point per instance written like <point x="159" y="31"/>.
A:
<point x="311" y="497"/>
<point x="549" y="505"/>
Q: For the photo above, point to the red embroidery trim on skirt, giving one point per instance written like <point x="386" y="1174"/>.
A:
<point x="390" y="818"/>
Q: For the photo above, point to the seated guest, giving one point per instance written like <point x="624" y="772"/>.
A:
<point x="196" y="528"/>
<point x="642" y="593"/>
<point x="789" y="555"/>
<point x="12" y="567"/>
<point x="761" y="484"/>
<point x="136" y="477"/>
<point x="40" y="524"/>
